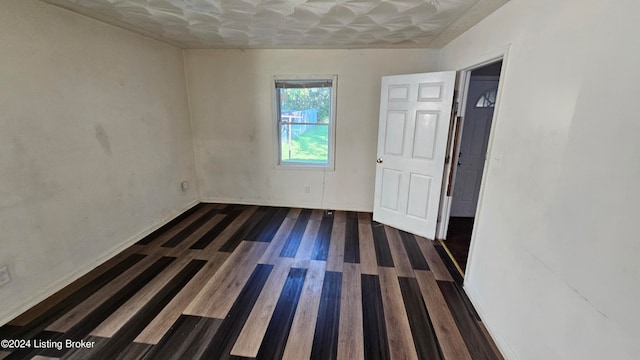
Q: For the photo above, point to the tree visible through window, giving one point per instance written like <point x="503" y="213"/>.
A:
<point x="305" y="121"/>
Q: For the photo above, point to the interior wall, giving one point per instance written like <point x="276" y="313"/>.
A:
<point x="94" y="141"/>
<point x="234" y="129"/>
<point x="554" y="269"/>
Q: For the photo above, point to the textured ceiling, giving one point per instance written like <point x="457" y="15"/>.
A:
<point x="290" y="23"/>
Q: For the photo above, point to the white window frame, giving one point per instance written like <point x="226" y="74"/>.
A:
<point x="332" y="122"/>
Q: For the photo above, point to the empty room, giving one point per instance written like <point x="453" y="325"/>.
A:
<point x="311" y="179"/>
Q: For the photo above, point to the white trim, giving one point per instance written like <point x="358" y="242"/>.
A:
<point x="465" y="77"/>
<point x="487" y="165"/>
<point x="501" y="342"/>
<point x="292" y="204"/>
<point x="332" y="123"/>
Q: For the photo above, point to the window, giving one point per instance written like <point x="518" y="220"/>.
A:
<point x="305" y="116"/>
<point x="487" y="99"/>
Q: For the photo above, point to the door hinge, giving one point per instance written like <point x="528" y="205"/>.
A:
<point x="447" y="159"/>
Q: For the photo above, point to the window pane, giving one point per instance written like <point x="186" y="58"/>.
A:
<point x="299" y="100"/>
<point x="304" y="143"/>
<point x="304" y="121"/>
<point x="487" y="99"/>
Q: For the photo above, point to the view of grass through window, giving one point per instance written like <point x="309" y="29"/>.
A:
<point x="305" y="115"/>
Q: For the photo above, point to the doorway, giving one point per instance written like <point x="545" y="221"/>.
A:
<point x="480" y="92"/>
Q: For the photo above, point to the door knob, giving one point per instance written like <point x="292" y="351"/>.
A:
<point x="379" y="161"/>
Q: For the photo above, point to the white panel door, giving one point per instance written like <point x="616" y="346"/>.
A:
<point x="415" y="112"/>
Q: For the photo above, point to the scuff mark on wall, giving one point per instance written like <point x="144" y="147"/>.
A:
<point x="103" y="139"/>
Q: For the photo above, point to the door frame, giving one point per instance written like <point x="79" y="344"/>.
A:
<point x="464" y="78"/>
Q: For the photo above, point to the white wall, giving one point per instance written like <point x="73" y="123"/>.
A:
<point x="555" y="269"/>
<point x="234" y="136"/>
<point x="94" y="141"/>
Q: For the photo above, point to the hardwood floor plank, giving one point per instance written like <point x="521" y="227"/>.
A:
<point x="122" y="315"/>
<point x="271" y="255"/>
<point x="90" y="320"/>
<point x="201" y="232"/>
<point x="271" y="228"/>
<point x="493" y="345"/>
<point x="134" y="351"/>
<point x="180" y="219"/>
<point x="424" y="337"/>
<point x="36" y="320"/>
<point x="316" y="214"/>
<point x="321" y="248"/>
<point x="102" y="312"/>
<point x="263" y="226"/>
<point x="161" y="324"/>
<point x="339" y="216"/>
<point x="187" y="231"/>
<point x="399" y="254"/>
<point x="436" y="265"/>
<point x="325" y="339"/>
<point x="364" y="218"/>
<point x="368" y="261"/>
<point x="76" y="314"/>
<point x="350" y="336"/>
<point x="290" y="247"/>
<point x="401" y="345"/>
<point x="352" y="239"/>
<point x="187" y="339"/>
<point x="305" y="250"/>
<point x="132" y="328"/>
<point x="478" y="346"/>
<point x="412" y="249"/>
<point x="83" y="354"/>
<point x="174" y="230"/>
<point x="273" y="344"/>
<point x="300" y="340"/>
<point x="383" y="252"/>
<point x="376" y="345"/>
<point x="294" y="213"/>
<point x="250" y="338"/>
<point x="244" y="230"/>
<point x="234" y="228"/>
<point x="451" y="267"/>
<point x="222" y="342"/>
<point x="206" y="239"/>
<point x="449" y="338"/>
<point x="220" y="292"/>
<point x="335" y="259"/>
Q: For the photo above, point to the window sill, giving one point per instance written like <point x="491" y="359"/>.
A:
<point x="325" y="167"/>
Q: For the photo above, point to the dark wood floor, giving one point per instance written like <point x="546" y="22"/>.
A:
<point x="235" y="282"/>
<point x="459" y="239"/>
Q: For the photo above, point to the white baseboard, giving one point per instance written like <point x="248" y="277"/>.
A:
<point x="59" y="285"/>
<point x="297" y="204"/>
<point x="500" y="341"/>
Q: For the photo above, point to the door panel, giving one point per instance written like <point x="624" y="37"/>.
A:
<point x="415" y="111"/>
<point x="473" y="150"/>
<point x="425" y="134"/>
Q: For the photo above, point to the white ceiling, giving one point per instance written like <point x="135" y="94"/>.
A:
<point x="291" y="23"/>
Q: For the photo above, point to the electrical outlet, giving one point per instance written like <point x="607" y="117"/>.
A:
<point x="307" y="189"/>
<point x="5" y="278"/>
<point x="184" y="186"/>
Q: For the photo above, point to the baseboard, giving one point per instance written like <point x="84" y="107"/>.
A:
<point x="297" y="204"/>
<point x="501" y="342"/>
<point x="59" y="285"/>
